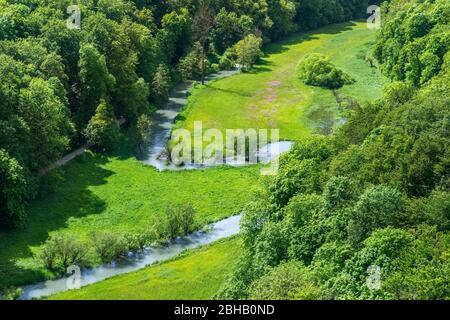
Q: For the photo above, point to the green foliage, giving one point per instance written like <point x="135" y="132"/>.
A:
<point x="248" y="50"/>
<point x="96" y="81"/>
<point x="13" y="192"/>
<point x="102" y="130"/>
<point x="317" y="70"/>
<point x="62" y="251"/>
<point x="287" y="281"/>
<point x="379" y="201"/>
<point x="109" y="246"/>
<point x="414" y="40"/>
<point x="378" y="207"/>
<point x="143" y="129"/>
<point x="161" y="83"/>
<point x="177" y="221"/>
<point x="12" y="293"/>
<point x="228" y="29"/>
<point x="190" y="67"/>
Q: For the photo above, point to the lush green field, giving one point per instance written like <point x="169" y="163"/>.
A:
<point x="118" y="193"/>
<point x="197" y="275"/>
<point x="272" y="96"/>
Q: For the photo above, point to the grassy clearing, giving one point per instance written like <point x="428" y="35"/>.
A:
<point x="196" y="275"/>
<point x="271" y="96"/>
<point x="117" y="193"/>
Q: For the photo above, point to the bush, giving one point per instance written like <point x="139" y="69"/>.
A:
<point x="63" y="251"/>
<point x="190" y="67"/>
<point x="109" y="246"/>
<point x="143" y="130"/>
<point x="248" y="50"/>
<point x="102" y="130"/>
<point x="12" y="293"/>
<point x="177" y="221"/>
<point x="161" y="83"/>
<point x="317" y="70"/>
<point x="228" y="59"/>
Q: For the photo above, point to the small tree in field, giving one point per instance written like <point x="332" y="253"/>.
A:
<point x="201" y="26"/>
<point x="249" y="50"/>
<point x="317" y="70"/>
<point x="102" y="130"/>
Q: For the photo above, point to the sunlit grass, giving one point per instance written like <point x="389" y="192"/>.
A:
<point x="272" y="96"/>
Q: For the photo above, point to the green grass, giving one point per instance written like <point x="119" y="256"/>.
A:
<point x="272" y="96"/>
<point x="196" y="275"/>
<point x="118" y="193"/>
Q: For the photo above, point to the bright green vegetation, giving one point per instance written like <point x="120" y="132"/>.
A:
<point x="195" y="275"/>
<point x="117" y="193"/>
<point x="364" y="213"/>
<point x="272" y="96"/>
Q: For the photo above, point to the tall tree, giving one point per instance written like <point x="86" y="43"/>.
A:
<point x="201" y="26"/>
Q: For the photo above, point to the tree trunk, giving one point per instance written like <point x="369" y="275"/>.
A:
<point x="203" y="64"/>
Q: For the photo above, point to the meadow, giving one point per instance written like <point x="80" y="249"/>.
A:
<point x="271" y="96"/>
<point x="118" y="193"/>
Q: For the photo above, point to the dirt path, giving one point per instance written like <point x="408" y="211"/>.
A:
<point x="72" y="155"/>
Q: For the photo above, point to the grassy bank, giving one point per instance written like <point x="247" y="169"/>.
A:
<point x="196" y="275"/>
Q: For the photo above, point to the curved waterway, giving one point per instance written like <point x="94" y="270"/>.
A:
<point x="154" y="154"/>
<point x="136" y="261"/>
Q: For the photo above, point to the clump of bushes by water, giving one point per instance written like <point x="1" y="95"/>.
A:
<point x="177" y="220"/>
<point x="318" y="70"/>
<point x="11" y="293"/>
<point x="63" y="250"/>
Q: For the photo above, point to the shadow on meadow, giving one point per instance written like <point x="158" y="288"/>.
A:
<point x="283" y="45"/>
<point x="72" y="199"/>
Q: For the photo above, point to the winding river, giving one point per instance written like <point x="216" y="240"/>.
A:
<point x="154" y="155"/>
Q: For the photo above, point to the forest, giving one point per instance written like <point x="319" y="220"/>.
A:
<point x="371" y="196"/>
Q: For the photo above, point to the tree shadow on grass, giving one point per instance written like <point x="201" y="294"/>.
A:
<point x="236" y="92"/>
<point x="73" y="199"/>
<point x="283" y="45"/>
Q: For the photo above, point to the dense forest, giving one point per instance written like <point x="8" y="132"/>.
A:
<point x="62" y="87"/>
<point x="371" y="200"/>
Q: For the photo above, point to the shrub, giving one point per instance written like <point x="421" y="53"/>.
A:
<point x="248" y="50"/>
<point x="317" y="70"/>
<point x="177" y="220"/>
<point x="161" y="83"/>
<point x="102" y="130"/>
<point x="109" y="246"/>
<point x="12" y="293"/>
<point x="63" y="251"/>
<point x="190" y="67"/>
